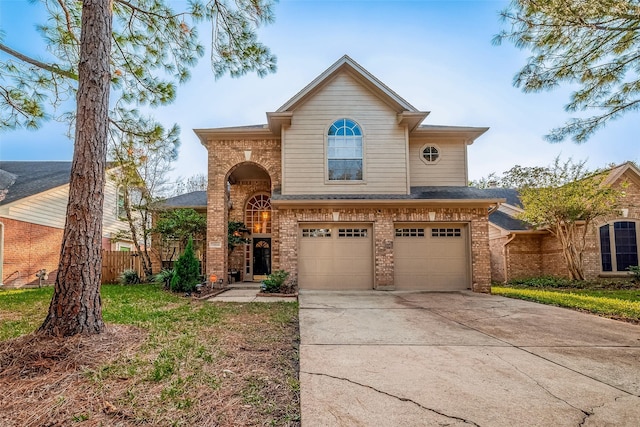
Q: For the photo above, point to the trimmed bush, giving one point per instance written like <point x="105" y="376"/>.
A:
<point x="273" y="283"/>
<point x="129" y="277"/>
<point x="187" y="271"/>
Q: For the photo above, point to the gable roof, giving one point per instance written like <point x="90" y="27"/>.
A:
<point x="33" y="177"/>
<point x="407" y="113"/>
<point x="357" y="71"/>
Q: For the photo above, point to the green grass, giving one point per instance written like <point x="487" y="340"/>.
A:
<point x="186" y="346"/>
<point x="623" y="304"/>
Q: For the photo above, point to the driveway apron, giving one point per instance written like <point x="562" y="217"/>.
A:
<point x="458" y="359"/>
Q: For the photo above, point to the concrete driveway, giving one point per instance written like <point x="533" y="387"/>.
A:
<point x="453" y="359"/>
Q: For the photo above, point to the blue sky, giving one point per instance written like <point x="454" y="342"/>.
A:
<point x="436" y="54"/>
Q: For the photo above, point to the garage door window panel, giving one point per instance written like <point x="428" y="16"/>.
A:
<point x="409" y="232"/>
<point x="352" y="232"/>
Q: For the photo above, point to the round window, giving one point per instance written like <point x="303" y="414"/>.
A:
<point x="430" y="153"/>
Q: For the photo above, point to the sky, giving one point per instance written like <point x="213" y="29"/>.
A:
<point x="437" y="55"/>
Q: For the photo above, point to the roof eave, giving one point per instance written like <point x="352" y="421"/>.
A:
<point x="236" y="132"/>
<point x="385" y="202"/>
<point x="470" y="134"/>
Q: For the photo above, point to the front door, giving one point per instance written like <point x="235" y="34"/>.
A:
<point x="261" y="257"/>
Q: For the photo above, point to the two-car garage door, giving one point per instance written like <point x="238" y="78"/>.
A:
<point x="431" y="256"/>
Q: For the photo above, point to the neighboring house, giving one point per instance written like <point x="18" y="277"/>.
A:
<point x="345" y="189"/>
<point x="32" y="219"/>
<point x="169" y="251"/>
<point x="519" y="251"/>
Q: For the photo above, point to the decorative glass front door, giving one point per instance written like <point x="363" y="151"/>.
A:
<point x="261" y="256"/>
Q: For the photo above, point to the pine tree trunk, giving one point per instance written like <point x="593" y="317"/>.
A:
<point x="76" y="306"/>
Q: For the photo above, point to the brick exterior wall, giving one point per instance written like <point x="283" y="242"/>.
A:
<point x="27" y="249"/>
<point x="498" y="266"/>
<point x="225" y="156"/>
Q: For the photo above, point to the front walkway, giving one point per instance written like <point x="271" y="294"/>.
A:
<point x="247" y="295"/>
<point x="423" y="359"/>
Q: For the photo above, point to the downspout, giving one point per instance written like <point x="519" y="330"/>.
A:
<point x="510" y="238"/>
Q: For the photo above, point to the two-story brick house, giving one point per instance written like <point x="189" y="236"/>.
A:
<point x="345" y="189"/>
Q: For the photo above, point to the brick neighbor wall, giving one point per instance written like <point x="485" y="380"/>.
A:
<point x="27" y="249"/>
<point x="496" y="245"/>
<point x="224" y="156"/>
<point x="524" y="256"/>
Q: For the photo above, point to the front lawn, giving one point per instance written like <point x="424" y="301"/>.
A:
<point x="616" y="303"/>
<point x="165" y="360"/>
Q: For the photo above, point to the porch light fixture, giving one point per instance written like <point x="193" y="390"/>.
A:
<point x="432" y="216"/>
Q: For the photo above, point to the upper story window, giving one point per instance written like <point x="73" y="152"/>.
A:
<point x="619" y="245"/>
<point x="120" y="210"/>
<point x="430" y="154"/>
<point x="344" y="151"/>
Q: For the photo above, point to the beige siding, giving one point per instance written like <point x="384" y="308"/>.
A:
<point x="450" y="169"/>
<point x="494" y="232"/>
<point x="50" y="207"/>
<point x="384" y="141"/>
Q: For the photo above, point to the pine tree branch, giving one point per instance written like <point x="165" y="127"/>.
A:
<point x="47" y="67"/>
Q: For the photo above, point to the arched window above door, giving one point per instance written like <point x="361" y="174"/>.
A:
<point x="258" y="214"/>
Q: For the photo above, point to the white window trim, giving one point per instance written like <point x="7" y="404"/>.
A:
<point x="425" y="161"/>
<point x="326" y="155"/>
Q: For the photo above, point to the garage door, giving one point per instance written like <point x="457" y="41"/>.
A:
<point x="431" y="257"/>
<point x="335" y="256"/>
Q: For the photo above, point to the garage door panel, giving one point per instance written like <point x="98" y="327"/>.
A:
<point x="431" y="257"/>
<point x="335" y="256"/>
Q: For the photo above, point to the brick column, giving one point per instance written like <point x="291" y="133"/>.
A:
<point x="480" y="253"/>
<point x="217" y="218"/>
<point x="383" y="251"/>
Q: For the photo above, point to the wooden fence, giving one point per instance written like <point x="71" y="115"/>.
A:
<point x="115" y="262"/>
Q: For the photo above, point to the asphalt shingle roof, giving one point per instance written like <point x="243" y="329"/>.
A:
<point x="32" y="178"/>
<point x="507" y="222"/>
<point x="192" y="200"/>
<point x="417" y="193"/>
<point x="511" y="194"/>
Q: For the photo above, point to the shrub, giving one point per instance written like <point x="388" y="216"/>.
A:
<point x="187" y="271"/>
<point x="164" y="277"/>
<point x="545" y="282"/>
<point x="273" y="283"/>
<point x="129" y="277"/>
<point x="635" y="272"/>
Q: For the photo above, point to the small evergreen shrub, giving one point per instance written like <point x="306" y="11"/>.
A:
<point x="187" y="271"/>
<point x="273" y="283"/>
<point x="129" y="277"/>
<point x="635" y="272"/>
<point x="164" y="277"/>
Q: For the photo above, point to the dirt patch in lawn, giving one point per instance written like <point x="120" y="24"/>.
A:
<point x="236" y="369"/>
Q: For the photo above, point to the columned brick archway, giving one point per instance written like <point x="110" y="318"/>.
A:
<point x="237" y="170"/>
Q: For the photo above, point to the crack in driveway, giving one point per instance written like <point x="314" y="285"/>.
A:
<point x="402" y="399"/>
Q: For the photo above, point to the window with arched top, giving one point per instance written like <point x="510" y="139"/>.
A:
<point x="344" y="151"/>
<point x="619" y="246"/>
<point x="257" y="215"/>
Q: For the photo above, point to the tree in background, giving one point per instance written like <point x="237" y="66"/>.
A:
<point x="593" y="44"/>
<point x="193" y="183"/>
<point x="139" y="50"/>
<point x="179" y="225"/>
<point x="563" y="198"/>
<point x="141" y="178"/>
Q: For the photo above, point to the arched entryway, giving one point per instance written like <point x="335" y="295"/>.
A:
<point x="249" y="202"/>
